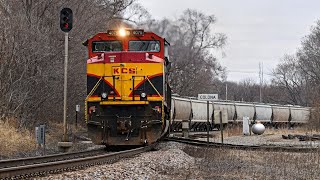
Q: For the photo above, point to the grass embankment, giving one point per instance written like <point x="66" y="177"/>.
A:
<point x="14" y="140"/>
<point x="20" y="142"/>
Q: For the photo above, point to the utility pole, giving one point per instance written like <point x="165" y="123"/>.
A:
<point x="261" y="78"/>
<point x="226" y="91"/>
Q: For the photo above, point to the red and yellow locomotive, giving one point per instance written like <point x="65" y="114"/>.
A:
<point x="128" y="95"/>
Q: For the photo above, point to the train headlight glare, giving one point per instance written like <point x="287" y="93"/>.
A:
<point x="122" y="32"/>
<point x="104" y="95"/>
<point x="143" y="95"/>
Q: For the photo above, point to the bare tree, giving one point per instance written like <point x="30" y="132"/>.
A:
<point x="31" y="49"/>
<point x="290" y="80"/>
<point x="194" y="68"/>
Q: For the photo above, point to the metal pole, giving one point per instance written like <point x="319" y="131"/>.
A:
<point x="65" y="87"/>
<point x="44" y="140"/>
<point x="226" y="91"/>
<point x="76" y="119"/>
<point x="208" y="122"/>
<point x="221" y="126"/>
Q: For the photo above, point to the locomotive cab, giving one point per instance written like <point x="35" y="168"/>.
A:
<point x="128" y="95"/>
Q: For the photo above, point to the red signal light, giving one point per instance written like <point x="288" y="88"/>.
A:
<point x="66" y="19"/>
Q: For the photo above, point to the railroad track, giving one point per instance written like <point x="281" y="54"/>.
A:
<point x="244" y="147"/>
<point x="43" y="167"/>
<point x="49" y="158"/>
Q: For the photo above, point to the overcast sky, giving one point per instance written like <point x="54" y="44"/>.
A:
<point x="257" y="30"/>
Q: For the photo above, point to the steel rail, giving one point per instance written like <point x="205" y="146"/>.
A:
<point x="28" y="171"/>
<point x="245" y="147"/>
<point x="48" y="158"/>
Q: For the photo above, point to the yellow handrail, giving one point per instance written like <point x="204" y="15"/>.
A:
<point x="154" y="88"/>
<point x="90" y="93"/>
<point x="162" y="107"/>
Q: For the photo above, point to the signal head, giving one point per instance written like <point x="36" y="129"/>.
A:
<point x="66" y="19"/>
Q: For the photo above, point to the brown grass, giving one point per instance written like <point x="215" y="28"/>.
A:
<point x="21" y="142"/>
<point x="238" y="164"/>
<point x="236" y="130"/>
<point x="14" y="140"/>
<point x="55" y="132"/>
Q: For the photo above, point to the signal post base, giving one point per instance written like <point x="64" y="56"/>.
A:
<point x="64" y="146"/>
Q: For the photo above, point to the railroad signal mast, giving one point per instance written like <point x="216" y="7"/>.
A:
<point x="65" y="25"/>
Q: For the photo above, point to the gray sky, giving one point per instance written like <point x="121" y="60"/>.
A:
<point x="257" y="30"/>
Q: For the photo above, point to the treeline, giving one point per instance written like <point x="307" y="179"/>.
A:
<point x="31" y="55"/>
<point x="298" y="75"/>
<point x="194" y="68"/>
<point x="32" y="44"/>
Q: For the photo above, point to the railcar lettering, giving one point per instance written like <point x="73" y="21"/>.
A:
<point x="124" y="70"/>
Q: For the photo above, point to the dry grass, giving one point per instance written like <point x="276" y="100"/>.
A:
<point x="14" y="140"/>
<point x="233" y="130"/>
<point x="236" y="130"/>
<point x="55" y="132"/>
<point x="17" y="142"/>
<point x="238" y="164"/>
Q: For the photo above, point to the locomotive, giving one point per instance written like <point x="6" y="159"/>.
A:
<point x="128" y="94"/>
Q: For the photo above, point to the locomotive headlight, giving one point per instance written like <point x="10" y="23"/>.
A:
<point x="104" y="95"/>
<point x="143" y="95"/>
<point x="122" y="32"/>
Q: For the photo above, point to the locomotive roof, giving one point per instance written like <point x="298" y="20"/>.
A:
<point x="85" y="43"/>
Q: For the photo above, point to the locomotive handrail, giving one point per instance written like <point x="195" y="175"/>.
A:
<point x="154" y="87"/>
<point x="94" y="88"/>
<point x="90" y="93"/>
<point x="162" y="107"/>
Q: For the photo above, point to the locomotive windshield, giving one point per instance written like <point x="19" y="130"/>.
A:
<point x="149" y="46"/>
<point x="105" y="46"/>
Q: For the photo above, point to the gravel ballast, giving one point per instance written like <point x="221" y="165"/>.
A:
<point x="166" y="163"/>
<point x="179" y="161"/>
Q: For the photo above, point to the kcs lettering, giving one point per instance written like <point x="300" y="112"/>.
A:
<point x="124" y="70"/>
